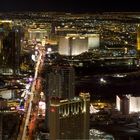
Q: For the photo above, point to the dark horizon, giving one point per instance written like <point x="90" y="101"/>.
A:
<point x="69" y="6"/>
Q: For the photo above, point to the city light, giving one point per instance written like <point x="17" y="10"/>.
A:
<point x="92" y="109"/>
<point x="52" y="109"/>
<point x="42" y="105"/>
<point x="49" y="49"/>
<point x="103" y="81"/>
<point x="61" y="72"/>
<point x="133" y="105"/>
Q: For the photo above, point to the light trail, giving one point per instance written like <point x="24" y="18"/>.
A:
<point x="24" y="136"/>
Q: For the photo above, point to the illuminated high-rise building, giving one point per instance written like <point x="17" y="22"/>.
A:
<point x="138" y="38"/>
<point x="69" y="119"/>
<point x="123" y="104"/>
<point x="93" y="41"/>
<point x="60" y="83"/>
<point x="128" y="104"/>
<point x="75" y="44"/>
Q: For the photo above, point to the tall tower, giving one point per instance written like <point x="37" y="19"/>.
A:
<point x="10" y="48"/>
<point x="5" y="28"/>
<point x="73" y="44"/>
<point x="61" y="82"/>
<point x="138" y="38"/>
<point x="16" y="36"/>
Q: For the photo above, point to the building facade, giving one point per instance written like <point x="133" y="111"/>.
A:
<point x="128" y="104"/>
<point x="75" y="44"/>
<point x="10" y="47"/>
<point x="138" y="38"/>
<point x="69" y="119"/>
<point x="61" y="82"/>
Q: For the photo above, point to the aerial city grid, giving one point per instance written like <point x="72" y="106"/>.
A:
<point x="69" y="72"/>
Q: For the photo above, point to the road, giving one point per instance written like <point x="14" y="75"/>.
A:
<point x="24" y="135"/>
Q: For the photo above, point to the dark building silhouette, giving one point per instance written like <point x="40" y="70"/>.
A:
<point x="61" y="82"/>
<point x="10" y="48"/>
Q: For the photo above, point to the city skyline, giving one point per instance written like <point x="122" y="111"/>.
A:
<point x="64" y="71"/>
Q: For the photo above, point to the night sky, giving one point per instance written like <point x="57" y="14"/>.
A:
<point x="70" y="5"/>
